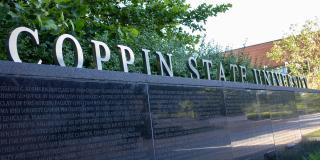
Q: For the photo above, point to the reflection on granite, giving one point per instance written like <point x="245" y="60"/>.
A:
<point x="71" y="119"/>
<point x="308" y="105"/>
<point x="189" y="123"/>
<point x="251" y="137"/>
<point x="57" y="119"/>
<point x="250" y="125"/>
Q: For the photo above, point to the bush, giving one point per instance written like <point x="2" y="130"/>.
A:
<point x="314" y="156"/>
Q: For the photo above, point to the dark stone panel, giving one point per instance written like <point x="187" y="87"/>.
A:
<point x="69" y="119"/>
<point x="53" y="71"/>
<point x="265" y="127"/>
<point x="308" y="105"/>
<point x="51" y="112"/>
<point x="285" y="120"/>
<point x="189" y="123"/>
<point x="250" y="132"/>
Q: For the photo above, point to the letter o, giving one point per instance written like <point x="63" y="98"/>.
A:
<point x="58" y="55"/>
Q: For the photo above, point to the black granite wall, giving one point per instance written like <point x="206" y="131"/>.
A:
<point x="51" y="113"/>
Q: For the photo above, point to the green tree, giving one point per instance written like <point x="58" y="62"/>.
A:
<point x="216" y="54"/>
<point x="156" y="25"/>
<point x="301" y="50"/>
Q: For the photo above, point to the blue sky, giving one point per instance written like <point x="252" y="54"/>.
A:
<point x="257" y="21"/>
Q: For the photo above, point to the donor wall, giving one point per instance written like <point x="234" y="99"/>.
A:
<point x="50" y="112"/>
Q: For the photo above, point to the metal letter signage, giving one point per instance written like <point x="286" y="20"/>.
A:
<point x="165" y="68"/>
<point x="234" y="69"/>
<point x="13" y="42"/>
<point x="146" y="60"/>
<point x="102" y="53"/>
<point x="192" y="66"/>
<point x="243" y="73"/>
<point x="97" y="55"/>
<point x="58" y="55"/>
<point x="124" y="59"/>
<point x="221" y="76"/>
<point x="208" y="64"/>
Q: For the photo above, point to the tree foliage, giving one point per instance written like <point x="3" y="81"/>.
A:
<point x="216" y="53"/>
<point x="301" y="50"/>
<point x="156" y="25"/>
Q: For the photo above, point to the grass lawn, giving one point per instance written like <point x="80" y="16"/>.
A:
<point x="313" y="134"/>
<point x="307" y="149"/>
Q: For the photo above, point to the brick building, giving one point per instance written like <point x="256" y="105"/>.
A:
<point x="257" y="54"/>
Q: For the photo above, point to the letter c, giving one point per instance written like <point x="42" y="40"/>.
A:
<point x="13" y="39"/>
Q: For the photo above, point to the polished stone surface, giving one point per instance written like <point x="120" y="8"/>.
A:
<point x="251" y="134"/>
<point x="58" y="119"/>
<point x="50" y="113"/>
<point x="189" y="123"/>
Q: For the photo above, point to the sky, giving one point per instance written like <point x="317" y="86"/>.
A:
<point x="252" y="22"/>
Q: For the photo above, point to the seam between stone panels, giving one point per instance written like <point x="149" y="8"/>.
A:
<point x="298" y="113"/>
<point x="227" y="122"/>
<point x="151" y="122"/>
